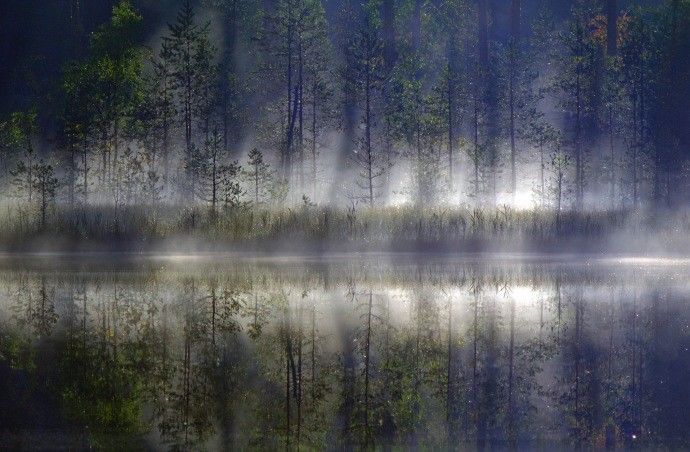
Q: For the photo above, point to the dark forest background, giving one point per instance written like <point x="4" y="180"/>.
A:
<point x="580" y="104"/>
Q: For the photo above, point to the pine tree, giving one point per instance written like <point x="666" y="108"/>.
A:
<point x="560" y="163"/>
<point x="454" y="18"/>
<point x="635" y="77"/>
<point x="577" y="81"/>
<point x="296" y="52"/>
<point x="116" y="63"/>
<point x="162" y="103"/>
<point x="193" y="74"/>
<point x="213" y="172"/>
<point x="259" y="176"/>
<point x="544" y="137"/>
<point x="78" y="127"/>
<point x="515" y="63"/>
<point x="231" y="189"/>
<point x="366" y="78"/>
<point x="22" y="128"/>
<point x="316" y="93"/>
<point x="236" y="87"/>
<point x="45" y="184"/>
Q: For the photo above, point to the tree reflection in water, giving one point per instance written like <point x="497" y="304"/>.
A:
<point x="323" y="354"/>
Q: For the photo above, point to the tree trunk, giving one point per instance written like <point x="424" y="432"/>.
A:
<point x="611" y="32"/>
<point x="288" y="357"/>
<point x="166" y="132"/>
<point x="416" y="26"/>
<point x="72" y="175"/>
<point x="85" y="162"/>
<point x="314" y="138"/>
<point x="612" y="157"/>
<point x="475" y="373"/>
<point x="483" y="35"/>
<point x="44" y="200"/>
<point x="476" y="156"/>
<point x="634" y="144"/>
<point x="559" y="190"/>
<point x="189" y="195"/>
<point x="214" y="177"/>
<point x="542" y="166"/>
<point x="230" y="70"/>
<point x="579" y="179"/>
<point x="213" y="314"/>
<point x="512" y="437"/>
<point x="367" y="362"/>
<point x="300" y="126"/>
<point x="313" y="355"/>
<point x="449" y="375"/>
<point x="256" y="185"/>
<point x="451" y="56"/>
<point x="388" y="18"/>
<point x="367" y="131"/>
<point x="299" y="375"/>
<point x="285" y="158"/>
<point x="514" y="60"/>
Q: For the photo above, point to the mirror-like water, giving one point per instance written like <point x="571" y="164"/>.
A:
<point x="227" y="353"/>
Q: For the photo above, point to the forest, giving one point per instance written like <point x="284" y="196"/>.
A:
<point x="347" y="122"/>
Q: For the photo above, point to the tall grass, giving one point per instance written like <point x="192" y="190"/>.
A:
<point x="393" y="228"/>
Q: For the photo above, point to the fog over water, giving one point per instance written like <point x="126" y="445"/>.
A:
<point x="204" y="352"/>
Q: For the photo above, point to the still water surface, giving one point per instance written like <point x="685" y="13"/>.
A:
<point x="175" y="352"/>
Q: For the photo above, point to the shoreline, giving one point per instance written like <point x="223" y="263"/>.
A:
<point x="327" y="230"/>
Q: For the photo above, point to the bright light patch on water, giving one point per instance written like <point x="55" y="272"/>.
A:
<point x="652" y="261"/>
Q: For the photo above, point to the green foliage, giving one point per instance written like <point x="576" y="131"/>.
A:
<point x="116" y="64"/>
<point x="45" y="184"/>
<point x="259" y="177"/>
<point x="17" y="352"/>
<point x="103" y="391"/>
<point x="21" y="129"/>
<point x="191" y="55"/>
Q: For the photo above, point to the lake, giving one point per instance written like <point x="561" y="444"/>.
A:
<point x="343" y="351"/>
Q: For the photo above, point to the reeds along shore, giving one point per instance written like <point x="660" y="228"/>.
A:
<point x="313" y="228"/>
